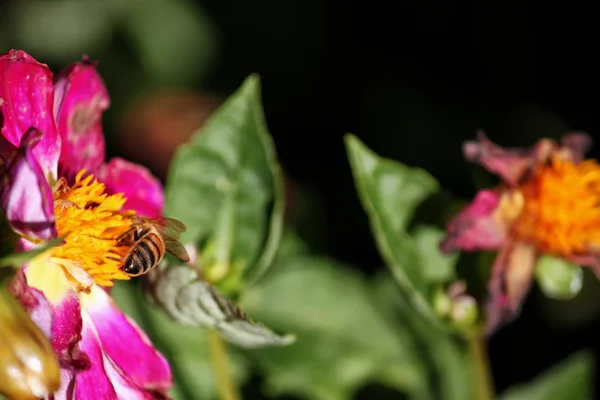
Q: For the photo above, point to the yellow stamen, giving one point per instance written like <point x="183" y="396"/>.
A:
<point x="561" y="210"/>
<point x="89" y="221"/>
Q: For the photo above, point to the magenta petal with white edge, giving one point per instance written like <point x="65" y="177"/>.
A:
<point x="136" y="356"/>
<point x="124" y="388"/>
<point x="67" y="386"/>
<point x="104" y="380"/>
<point x="25" y="196"/>
<point x="67" y="334"/>
<point x="93" y="383"/>
<point x="476" y="227"/>
<point x="26" y="98"/>
<point x="80" y="98"/>
<point x="143" y="190"/>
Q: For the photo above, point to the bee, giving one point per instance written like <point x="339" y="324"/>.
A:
<point x="148" y="239"/>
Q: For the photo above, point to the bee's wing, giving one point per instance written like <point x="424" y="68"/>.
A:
<point x="177" y="249"/>
<point x="170" y="227"/>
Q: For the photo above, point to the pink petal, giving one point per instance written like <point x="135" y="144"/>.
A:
<point x="80" y="98"/>
<point x="590" y="259"/>
<point x="578" y="143"/>
<point x="511" y="164"/>
<point x="143" y="191"/>
<point x="66" y="333"/>
<point x="512" y="275"/>
<point x="26" y="97"/>
<point x="476" y="227"/>
<point x="25" y="196"/>
<point x="33" y="301"/>
<point x="135" y="356"/>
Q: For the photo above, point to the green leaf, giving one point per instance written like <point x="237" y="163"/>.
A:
<point x="437" y="267"/>
<point x="449" y="372"/>
<point x="227" y="187"/>
<point x="390" y="192"/>
<point x="185" y="347"/>
<point x="19" y="259"/>
<point x="558" y="279"/>
<point x="343" y="340"/>
<point x="570" y="380"/>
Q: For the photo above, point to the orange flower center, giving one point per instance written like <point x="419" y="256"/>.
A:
<point x="89" y="220"/>
<point x="561" y="209"/>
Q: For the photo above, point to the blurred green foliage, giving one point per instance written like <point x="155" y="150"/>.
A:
<point x="571" y="380"/>
<point x="351" y="330"/>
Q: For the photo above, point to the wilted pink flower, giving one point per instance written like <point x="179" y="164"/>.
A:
<point x="52" y="130"/>
<point x="548" y="203"/>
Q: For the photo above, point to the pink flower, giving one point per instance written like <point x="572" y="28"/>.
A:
<point x="51" y="130"/>
<point x="548" y="203"/>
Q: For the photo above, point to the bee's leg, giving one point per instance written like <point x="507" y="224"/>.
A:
<point x="127" y="236"/>
<point x="117" y="239"/>
<point x="64" y="204"/>
<point x="61" y="185"/>
<point x="101" y="238"/>
<point x="133" y="234"/>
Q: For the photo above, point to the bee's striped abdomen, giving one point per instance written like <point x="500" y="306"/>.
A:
<point x="145" y="255"/>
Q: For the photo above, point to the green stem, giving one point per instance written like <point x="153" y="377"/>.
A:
<point x="218" y="351"/>
<point x="484" y="386"/>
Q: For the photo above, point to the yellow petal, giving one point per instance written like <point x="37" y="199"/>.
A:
<point x="48" y="277"/>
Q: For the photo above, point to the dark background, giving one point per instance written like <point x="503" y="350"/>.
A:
<point x="412" y="79"/>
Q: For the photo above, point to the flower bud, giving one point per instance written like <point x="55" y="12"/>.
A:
<point x="29" y="368"/>
<point x="442" y="303"/>
<point x="457" y="305"/>
<point x="558" y="278"/>
<point x="464" y="311"/>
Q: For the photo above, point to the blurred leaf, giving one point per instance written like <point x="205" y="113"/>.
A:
<point x="343" y="341"/>
<point x="558" y="279"/>
<point x="570" y="380"/>
<point x="60" y="30"/>
<point x="449" y="372"/>
<point x="290" y="246"/>
<point x="191" y="301"/>
<point x="185" y="347"/>
<point x="19" y="259"/>
<point x="437" y="267"/>
<point x="390" y="192"/>
<point x="227" y="187"/>
<point x="176" y="41"/>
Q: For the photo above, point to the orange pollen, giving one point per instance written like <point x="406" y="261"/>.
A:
<point x="561" y="210"/>
<point x="89" y="221"/>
